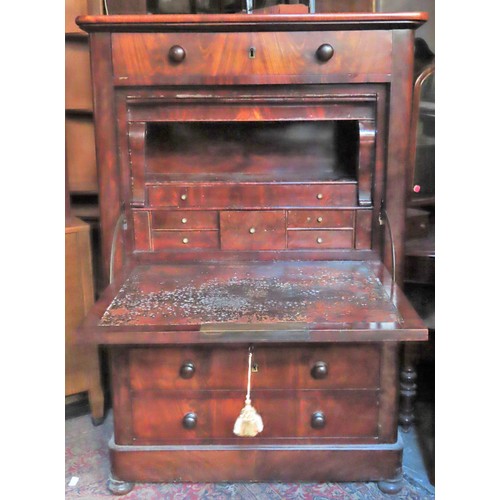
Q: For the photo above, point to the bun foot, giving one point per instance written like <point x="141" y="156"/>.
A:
<point x="391" y="486"/>
<point x="118" y="487"/>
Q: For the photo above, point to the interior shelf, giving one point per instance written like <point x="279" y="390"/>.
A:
<point x="255" y="151"/>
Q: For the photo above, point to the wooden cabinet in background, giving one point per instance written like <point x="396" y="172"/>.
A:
<point x="78" y="82"/>
<point x="80" y="154"/>
<point x="82" y="361"/>
<point x="81" y="169"/>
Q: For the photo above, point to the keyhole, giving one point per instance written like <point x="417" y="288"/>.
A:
<point x="255" y="367"/>
<point x="251" y="52"/>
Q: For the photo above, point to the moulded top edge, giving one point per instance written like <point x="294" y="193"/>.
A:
<point x="252" y="22"/>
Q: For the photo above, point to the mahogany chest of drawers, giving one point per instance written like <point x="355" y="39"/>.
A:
<point x="252" y="186"/>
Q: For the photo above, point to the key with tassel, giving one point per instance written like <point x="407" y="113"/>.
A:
<point x="249" y="423"/>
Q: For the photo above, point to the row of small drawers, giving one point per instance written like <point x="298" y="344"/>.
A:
<point x="244" y="230"/>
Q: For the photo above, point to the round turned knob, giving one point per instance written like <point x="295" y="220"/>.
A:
<point x="185" y="241"/>
<point x="319" y="370"/>
<point x="187" y="369"/>
<point x="318" y="420"/>
<point x="319" y="196"/>
<point x="189" y="421"/>
<point x="319" y="240"/>
<point x="184" y="196"/>
<point x="184" y="220"/>
<point x="324" y="52"/>
<point x="251" y="230"/>
<point x="320" y="220"/>
<point x="176" y="54"/>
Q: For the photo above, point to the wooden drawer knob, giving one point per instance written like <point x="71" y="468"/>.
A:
<point x="189" y="421"/>
<point x="176" y="54"/>
<point x="252" y="230"/>
<point x="318" y="420"/>
<point x="187" y="370"/>
<point x="184" y="197"/>
<point x="324" y="52"/>
<point x="319" y="370"/>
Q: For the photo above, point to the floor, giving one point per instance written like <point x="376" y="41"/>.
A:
<point x="87" y="470"/>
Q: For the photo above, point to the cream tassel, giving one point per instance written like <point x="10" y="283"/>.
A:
<point x="249" y="423"/>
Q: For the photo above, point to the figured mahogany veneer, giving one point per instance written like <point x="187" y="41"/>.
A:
<point x="143" y="59"/>
<point x="254" y="159"/>
<point x="349" y="367"/>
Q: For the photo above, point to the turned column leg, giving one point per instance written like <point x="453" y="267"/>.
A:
<point x="408" y="388"/>
<point x="118" y="487"/>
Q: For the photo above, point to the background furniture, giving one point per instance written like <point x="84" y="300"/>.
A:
<point x="417" y="374"/>
<point x="260" y="175"/>
<point x="83" y="372"/>
<point x="80" y="143"/>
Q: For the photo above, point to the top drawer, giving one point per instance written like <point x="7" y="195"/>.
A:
<point x="143" y="58"/>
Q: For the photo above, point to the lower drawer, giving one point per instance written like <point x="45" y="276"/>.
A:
<point x="318" y="239"/>
<point x="162" y="417"/>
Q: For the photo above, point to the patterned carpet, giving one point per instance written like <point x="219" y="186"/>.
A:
<point x="87" y="460"/>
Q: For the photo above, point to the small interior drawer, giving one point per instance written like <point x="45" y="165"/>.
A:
<point x="185" y="240"/>
<point x="320" y="219"/>
<point x="253" y="230"/>
<point x="308" y="239"/>
<point x="178" y="219"/>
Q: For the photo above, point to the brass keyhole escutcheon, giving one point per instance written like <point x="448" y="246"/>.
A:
<point x="251" y="52"/>
<point x="255" y="367"/>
